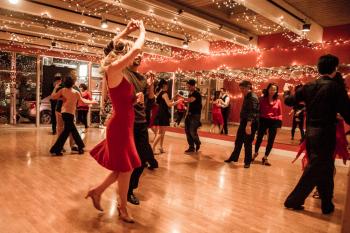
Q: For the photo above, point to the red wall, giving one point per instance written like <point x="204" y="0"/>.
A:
<point x="275" y="51"/>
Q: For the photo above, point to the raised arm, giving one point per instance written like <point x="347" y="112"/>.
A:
<point x="56" y="94"/>
<point x="125" y="60"/>
<point x="292" y="100"/>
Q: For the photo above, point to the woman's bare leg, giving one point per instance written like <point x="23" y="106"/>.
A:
<point x="162" y="130"/>
<point x="123" y="187"/>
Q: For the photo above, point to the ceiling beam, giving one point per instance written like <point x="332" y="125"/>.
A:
<point x="37" y="9"/>
<point x="280" y="12"/>
<point x="190" y="19"/>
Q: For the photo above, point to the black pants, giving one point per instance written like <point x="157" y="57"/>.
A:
<point x="225" y="114"/>
<point x="145" y="152"/>
<point x="247" y="140"/>
<point x="271" y="126"/>
<point x="298" y="122"/>
<point x="320" y="146"/>
<point x="179" y="117"/>
<point x="69" y="127"/>
<point x="53" y="115"/>
<point x="192" y="123"/>
<point x="82" y="116"/>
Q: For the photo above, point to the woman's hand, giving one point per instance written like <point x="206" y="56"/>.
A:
<point x="132" y="26"/>
<point x="141" y="26"/>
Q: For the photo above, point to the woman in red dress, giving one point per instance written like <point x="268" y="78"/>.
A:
<point x="217" y="119"/>
<point x="118" y="152"/>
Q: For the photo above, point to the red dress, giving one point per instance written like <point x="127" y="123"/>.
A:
<point x="118" y="152"/>
<point x="340" y="146"/>
<point x="217" y="115"/>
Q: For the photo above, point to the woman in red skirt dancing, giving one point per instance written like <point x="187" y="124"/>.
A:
<point x="118" y="152"/>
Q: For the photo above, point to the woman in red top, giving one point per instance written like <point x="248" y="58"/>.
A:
<point x="117" y="152"/>
<point x="83" y="109"/>
<point x="270" y="119"/>
<point x="217" y="119"/>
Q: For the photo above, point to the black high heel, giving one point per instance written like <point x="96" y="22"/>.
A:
<point x="265" y="162"/>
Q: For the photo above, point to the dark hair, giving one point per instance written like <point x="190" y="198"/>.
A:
<point x="191" y="82"/>
<point x="68" y="82"/>
<point x="108" y="48"/>
<point x="83" y="86"/>
<point x="216" y="95"/>
<point x="246" y="83"/>
<point x="298" y="86"/>
<point x="161" y="84"/>
<point x="266" y="91"/>
<point x="118" y="47"/>
<point x="340" y="80"/>
<point x="327" y="64"/>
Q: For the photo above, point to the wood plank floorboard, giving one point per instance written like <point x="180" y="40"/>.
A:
<point x="198" y="193"/>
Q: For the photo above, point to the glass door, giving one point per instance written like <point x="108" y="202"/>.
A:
<point x="26" y="74"/>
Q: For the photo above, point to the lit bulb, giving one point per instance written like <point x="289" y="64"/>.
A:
<point x="104" y="23"/>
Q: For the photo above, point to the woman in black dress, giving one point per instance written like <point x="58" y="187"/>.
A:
<point x="162" y="120"/>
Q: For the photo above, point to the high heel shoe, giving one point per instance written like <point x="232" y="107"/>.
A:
<point x="123" y="215"/>
<point x="95" y="199"/>
<point x="265" y="162"/>
<point x="161" y="150"/>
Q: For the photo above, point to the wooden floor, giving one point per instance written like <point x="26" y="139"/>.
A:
<point x="199" y="193"/>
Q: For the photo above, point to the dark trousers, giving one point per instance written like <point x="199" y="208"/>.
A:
<point x="192" y="123"/>
<point x="320" y="146"/>
<point x="82" y="116"/>
<point x="247" y="140"/>
<point x="265" y="125"/>
<point x="179" y="117"/>
<point x="145" y="152"/>
<point x="225" y="114"/>
<point x="53" y="115"/>
<point x="300" y="125"/>
<point x="69" y="127"/>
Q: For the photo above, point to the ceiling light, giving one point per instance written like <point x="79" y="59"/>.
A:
<point x="306" y="27"/>
<point x="14" y="1"/>
<point x="185" y="43"/>
<point x="104" y="23"/>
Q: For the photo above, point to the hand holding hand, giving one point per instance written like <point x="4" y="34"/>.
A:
<point x="140" y="98"/>
<point x="132" y="26"/>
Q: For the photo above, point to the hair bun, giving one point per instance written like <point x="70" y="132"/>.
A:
<point x="108" y="48"/>
<point x="119" y="46"/>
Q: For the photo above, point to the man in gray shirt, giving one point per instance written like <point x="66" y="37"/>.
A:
<point x="144" y="149"/>
<point x="248" y="124"/>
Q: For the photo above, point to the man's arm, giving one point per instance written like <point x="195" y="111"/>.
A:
<point x="291" y="100"/>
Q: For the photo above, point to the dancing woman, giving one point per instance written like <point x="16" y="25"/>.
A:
<point x="217" y="117"/>
<point x="118" y="152"/>
<point x="270" y="119"/>
<point x="162" y="119"/>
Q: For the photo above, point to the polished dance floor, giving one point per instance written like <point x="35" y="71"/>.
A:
<point x="197" y="193"/>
